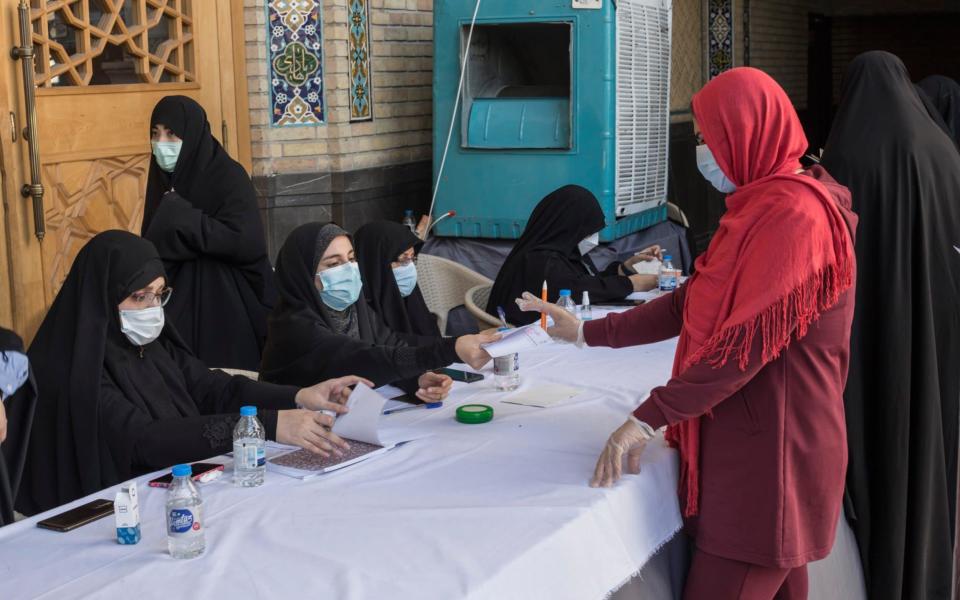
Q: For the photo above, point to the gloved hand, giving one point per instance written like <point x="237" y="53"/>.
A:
<point x="629" y="439"/>
<point x="565" y="326"/>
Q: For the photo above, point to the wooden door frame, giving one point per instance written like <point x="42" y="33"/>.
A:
<point x="24" y="285"/>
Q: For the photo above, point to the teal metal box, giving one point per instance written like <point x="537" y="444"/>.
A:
<point x="553" y="94"/>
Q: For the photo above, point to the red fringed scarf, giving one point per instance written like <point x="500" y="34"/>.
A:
<point x="781" y="256"/>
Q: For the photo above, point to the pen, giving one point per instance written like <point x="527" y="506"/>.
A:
<point x="543" y="296"/>
<point x="503" y="317"/>
<point x="413" y="406"/>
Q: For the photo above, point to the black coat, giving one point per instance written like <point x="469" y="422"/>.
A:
<point x="377" y="245"/>
<point x="547" y="251"/>
<point x="903" y="388"/>
<point x="109" y="410"/>
<point x="205" y="222"/>
<point x="304" y="345"/>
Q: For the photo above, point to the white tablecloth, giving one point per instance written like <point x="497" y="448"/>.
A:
<point x="501" y="510"/>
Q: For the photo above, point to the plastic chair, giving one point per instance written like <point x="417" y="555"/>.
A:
<point x="676" y="214"/>
<point x="444" y="285"/>
<point x="476" y="300"/>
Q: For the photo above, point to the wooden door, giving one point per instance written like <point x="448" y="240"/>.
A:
<point x="101" y="66"/>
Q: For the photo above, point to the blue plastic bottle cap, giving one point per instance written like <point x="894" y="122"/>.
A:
<point x="182" y="470"/>
<point x="248" y="411"/>
<point x="564" y="292"/>
<point x="430" y="405"/>
<point x="667" y="257"/>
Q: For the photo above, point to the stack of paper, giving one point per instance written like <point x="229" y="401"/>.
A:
<point x="518" y="340"/>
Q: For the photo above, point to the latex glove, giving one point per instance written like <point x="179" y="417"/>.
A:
<point x="434" y="387"/>
<point x="311" y="431"/>
<point x="646" y="255"/>
<point x="628" y="439"/>
<point x="469" y="350"/>
<point x="331" y="395"/>
<point x="3" y="422"/>
<point x="565" y="325"/>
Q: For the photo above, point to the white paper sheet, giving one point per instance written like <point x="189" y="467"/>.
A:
<point x="647" y="267"/>
<point x="518" y="340"/>
<point x="543" y="396"/>
<point x="390" y="392"/>
<point x="363" y="422"/>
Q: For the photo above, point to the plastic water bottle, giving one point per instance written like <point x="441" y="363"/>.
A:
<point x="506" y="370"/>
<point x="408" y="220"/>
<point x="185" y="525"/>
<point x="567" y="302"/>
<point x="586" y="312"/>
<point x="249" y="449"/>
<point x="668" y="275"/>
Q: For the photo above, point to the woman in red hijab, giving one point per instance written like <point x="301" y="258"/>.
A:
<point x="755" y="404"/>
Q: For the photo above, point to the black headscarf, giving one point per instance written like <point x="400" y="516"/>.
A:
<point x="903" y="388"/>
<point x="304" y="343"/>
<point x="944" y="94"/>
<point x="20" y="409"/>
<point x="377" y="245"/>
<point x="547" y="250"/>
<point x="66" y="459"/>
<point x="206" y="225"/>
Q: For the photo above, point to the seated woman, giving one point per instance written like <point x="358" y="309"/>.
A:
<point x="18" y="399"/>
<point x="202" y="215"/>
<point x="385" y="254"/>
<point x="564" y="226"/>
<point x="120" y="394"/>
<point x="322" y="326"/>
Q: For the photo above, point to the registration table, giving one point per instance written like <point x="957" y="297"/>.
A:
<point x="499" y="510"/>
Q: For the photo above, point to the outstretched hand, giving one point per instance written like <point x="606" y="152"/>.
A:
<point x="565" y="325"/>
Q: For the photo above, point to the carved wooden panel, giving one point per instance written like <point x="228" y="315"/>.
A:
<point x="102" y="42"/>
<point x="84" y="198"/>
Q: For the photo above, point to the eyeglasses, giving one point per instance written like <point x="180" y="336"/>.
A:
<point x="161" y="297"/>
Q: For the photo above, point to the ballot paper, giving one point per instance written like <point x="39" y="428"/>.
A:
<point x="543" y="396"/>
<point x="647" y="267"/>
<point x="518" y="340"/>
<point x="304" y="464"/>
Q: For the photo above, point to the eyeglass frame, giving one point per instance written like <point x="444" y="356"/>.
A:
<point x="166" y="291"/>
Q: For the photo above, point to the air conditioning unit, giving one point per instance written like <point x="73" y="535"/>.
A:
<point x="554" y="93"/>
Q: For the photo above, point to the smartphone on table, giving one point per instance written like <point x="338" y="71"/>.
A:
<point x="79" y="516"/>
<point x="464" y="376"/>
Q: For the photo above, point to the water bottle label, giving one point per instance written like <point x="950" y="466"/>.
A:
<point x="182" y="521"/>
<point x="261" y="456"/>
<point x="249" y="456"/>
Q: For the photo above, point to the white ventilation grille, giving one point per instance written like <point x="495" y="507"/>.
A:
<point x="643" y="103"/>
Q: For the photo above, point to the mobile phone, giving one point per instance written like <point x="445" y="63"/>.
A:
<point x="200" y="471"/>
<point x="79" y="516"/>
<point x="464" y="376"/>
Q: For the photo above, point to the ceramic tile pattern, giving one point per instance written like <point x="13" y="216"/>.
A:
<point x="295" y="44"/>
<point x="719" y="37"/>
<point x="361" y="107"/>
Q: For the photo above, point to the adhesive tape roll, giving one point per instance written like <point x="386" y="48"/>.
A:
<point x="474" y="414"/>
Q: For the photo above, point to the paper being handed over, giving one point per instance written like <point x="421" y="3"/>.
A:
<point x="518" y="340"/>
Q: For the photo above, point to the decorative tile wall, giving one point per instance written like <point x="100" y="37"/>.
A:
<point x="720" y="33"/>
<point x="295" y="42"/>
<point x="361" y="103"/>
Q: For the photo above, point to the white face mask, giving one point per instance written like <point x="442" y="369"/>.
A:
<point x="711" y="170"/>
<point x="167" y="154"/>
<point x="142" y="326"/>
<point x="406" y="277"/>
<point x="588" y="243"/>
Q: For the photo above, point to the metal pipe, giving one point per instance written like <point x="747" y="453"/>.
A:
<point x="25" y="54"/>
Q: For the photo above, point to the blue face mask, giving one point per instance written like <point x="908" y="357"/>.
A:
<point x="14" y="370"/>
<point x="406" y="277"/>
<point x="711" y="170"/>
<point x="166" y="154"/>
<point x="341" y="286"/>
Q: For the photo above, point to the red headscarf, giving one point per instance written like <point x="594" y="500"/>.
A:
<point x="782" y="253"/>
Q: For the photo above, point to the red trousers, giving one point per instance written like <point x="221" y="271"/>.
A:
<point x="715" y="578"/>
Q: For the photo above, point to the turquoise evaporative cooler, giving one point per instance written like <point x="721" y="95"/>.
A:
<point x="555" y="92"/>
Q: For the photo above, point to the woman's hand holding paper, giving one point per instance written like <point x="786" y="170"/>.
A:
<point x="565" y="325"/>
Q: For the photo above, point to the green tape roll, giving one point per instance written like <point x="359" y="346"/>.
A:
<point x="474" y="414"/>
